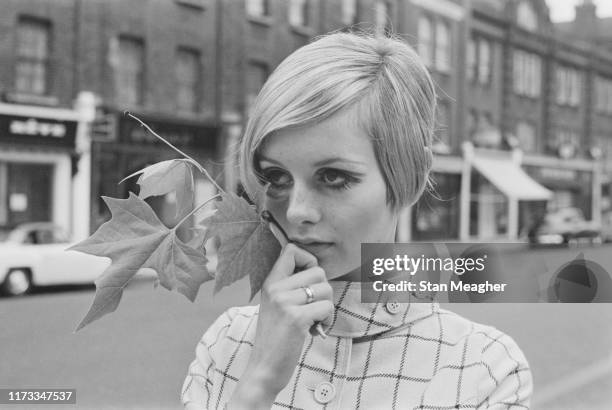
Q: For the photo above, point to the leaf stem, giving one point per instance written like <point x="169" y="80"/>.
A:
<point x="193" y="161"/>
<point x="194" y="210"/>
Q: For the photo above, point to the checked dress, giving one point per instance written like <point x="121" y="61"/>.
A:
<point x="377" y="356"/>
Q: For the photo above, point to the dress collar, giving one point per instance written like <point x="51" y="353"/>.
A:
<point x="353" y="318"/>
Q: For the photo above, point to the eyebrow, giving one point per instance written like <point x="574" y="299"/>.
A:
<point x="323" y="162"/>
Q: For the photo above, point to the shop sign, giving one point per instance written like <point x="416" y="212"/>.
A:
<point x="40" y="131"/>
<point x="558" y="174"/>
<point x="180" y="134"/>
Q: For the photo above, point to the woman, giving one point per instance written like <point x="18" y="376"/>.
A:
<point x="341" y="132"/>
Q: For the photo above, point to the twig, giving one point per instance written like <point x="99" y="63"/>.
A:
<point x="194" y="210"/>
<point x="193" y="161"/>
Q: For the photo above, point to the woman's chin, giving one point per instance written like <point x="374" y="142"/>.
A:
<point x="342" y="273"/>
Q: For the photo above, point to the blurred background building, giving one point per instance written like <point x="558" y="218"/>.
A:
<point x="524" y="114"/>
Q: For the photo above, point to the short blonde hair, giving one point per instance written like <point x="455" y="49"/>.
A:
<point x="383" y="78"/>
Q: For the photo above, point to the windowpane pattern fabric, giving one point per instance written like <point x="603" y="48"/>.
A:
<point x="377" y="356"/>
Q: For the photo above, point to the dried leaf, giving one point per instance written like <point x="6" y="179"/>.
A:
<point x="135" y="238"/>
<point x="247" y="245"/>
<point x="168" y="176"/>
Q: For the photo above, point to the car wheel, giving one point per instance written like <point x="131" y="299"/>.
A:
<point x="17" y="282"/>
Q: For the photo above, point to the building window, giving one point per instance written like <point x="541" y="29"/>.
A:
<point x="382" y="13"/>
<point x="187" y="70"/>
<point x="484" y="61"/>
<point x="565" y="143"/>
<point x="472" y="59"/>
<point x="443" y="49"/>
<point x="526" y="134"/>
<point x="526" y="16"/>
<point x="298" y="12"/>
<point x="443" y="121"/>
<point x="258" y="8"/>
<point x="527" y="73"/>
<point x="129" y="72"/>
<point x="425" y="45"/>
<point x="479" y="60"/>
<point x="603" y="103"/>
<point x="33" y="49"/>
<point x="349" y="11"/>
<point x="568" y="86"/>
<point x="257" y="73"/>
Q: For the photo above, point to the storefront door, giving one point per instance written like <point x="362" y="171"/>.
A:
<point x="28" y="194"/>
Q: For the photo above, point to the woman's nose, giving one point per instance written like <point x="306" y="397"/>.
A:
<point x="303" y="207"/>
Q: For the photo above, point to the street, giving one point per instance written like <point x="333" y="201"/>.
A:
<point x="137" y="357"/>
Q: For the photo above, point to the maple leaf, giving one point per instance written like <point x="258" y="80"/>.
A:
<point x="247" y="246"/>
<point x="168" y="176"/>
<point x="135" y="238"/>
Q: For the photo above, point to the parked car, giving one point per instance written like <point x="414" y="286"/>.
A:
<point x="565" y="226"/>
<point x="34" y="254"/>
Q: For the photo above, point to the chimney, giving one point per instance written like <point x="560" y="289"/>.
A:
<point x="585" y="22"/>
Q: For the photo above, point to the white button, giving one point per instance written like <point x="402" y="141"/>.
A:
<point x="393" y="307"/>
<point x="324" y="392"/>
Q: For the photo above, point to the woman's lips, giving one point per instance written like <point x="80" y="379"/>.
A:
<point x="314" y="247"/>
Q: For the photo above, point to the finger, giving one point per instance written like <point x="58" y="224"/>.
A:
<point x="290" y="259"/>
<point x="306" y="277"/>
<point x="298" y="296"/>
<point x="320" y="291"/>
<point x="321" y="311"/>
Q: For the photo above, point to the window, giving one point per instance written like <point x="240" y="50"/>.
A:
<point x="568" y="86"/>
<point x="257" y="8"/>
<point x="526" y="16"/>
<point x="527" y="73"/>
<point x="129" y="72"/>
<point x="472" y="59"/>
<point x="442" y="48"/>
<point x="257" y="73"/>
<point x="484" y="61"/>
<point x="526" y="134"/>
<point x="349" y="11"/>
<point x="187" y="70"/>
<point x="479" y="60"/>
<point x="32" y="66"/>
<point x="425" y="40"/>
<point x="603" y="103"/>
<point x="382" y="10"/>
<point x="298" y="12"/>
<point x="565" y="143"/>
<point x="443" y="123"/>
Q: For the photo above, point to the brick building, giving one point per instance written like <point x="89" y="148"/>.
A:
<point x="515" y="90"/>
<point x="155" y="58"/>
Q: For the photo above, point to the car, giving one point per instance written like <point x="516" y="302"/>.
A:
<point x="565" y="226"/>
<point x="34" y="254"/>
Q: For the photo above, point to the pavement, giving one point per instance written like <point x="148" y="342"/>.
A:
<point x="137" y="357"/>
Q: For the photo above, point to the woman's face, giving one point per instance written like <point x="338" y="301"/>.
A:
<point x="327" y="191"/>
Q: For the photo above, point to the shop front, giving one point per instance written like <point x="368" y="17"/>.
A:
<point x="575" y="183"/>
<point x="37" y="165"/>
<point x="498" y="196"/>
<point x="130" y="147"/>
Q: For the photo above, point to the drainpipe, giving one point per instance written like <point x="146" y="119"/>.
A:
<point x="464" y="206"/>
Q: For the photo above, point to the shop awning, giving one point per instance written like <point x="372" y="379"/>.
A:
<point x="510" y="179"/>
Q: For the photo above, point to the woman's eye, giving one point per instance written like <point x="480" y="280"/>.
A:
<point x="276" y="177"/>
<point x="336" y="179"/>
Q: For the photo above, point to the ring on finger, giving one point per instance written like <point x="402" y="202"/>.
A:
<point x="309" y="294"/>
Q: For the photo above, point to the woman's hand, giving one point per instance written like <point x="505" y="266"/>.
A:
<point x="285" y="319"/>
